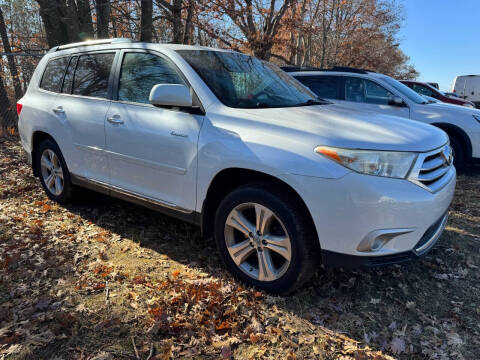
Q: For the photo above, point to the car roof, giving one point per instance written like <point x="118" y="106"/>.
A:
<point x="366" y="74"/>
<point x="115" y="44"/>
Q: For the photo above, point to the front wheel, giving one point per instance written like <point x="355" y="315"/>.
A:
<point x="459" y="159"/>
<point x="265" y="239"/>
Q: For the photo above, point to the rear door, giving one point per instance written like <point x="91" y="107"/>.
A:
<point x="325" y="87"/>
<point x="364" y="94"/>
<point x="152" y="151"/>
<point x="82" y="107"/>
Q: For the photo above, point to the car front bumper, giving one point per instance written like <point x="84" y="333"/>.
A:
<point x="356" y="209"/>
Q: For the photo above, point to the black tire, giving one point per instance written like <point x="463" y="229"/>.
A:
<point x="68" y="188"/>
<point x="291" y="212"/>
<point x="459" y="158"/>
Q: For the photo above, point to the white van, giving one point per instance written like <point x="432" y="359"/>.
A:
<point x="467" y="87"/>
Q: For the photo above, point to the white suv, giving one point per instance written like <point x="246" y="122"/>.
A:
<point x="366" y="90"/>
<point x="235" y="145"/>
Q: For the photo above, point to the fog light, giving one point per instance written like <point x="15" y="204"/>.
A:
<point x="377" y="239"/>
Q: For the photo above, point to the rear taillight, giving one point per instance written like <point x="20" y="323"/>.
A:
<point x="19" y="108"/>
<point x="454" y="90"/>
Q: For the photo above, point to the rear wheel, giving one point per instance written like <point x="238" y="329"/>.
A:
<point x="53" y="172"/>
<point x="265" y="239"/>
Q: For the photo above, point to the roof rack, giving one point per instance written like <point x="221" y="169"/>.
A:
<point x="89" y="43"/>
<point x="335" y="68"/>
<point x="290" y="68"/>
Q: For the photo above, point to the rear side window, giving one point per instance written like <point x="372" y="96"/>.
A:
<point x="326" y="87"/>
<point x="68" y="81"/>
<point x="91" y="75"/>
<point x="53" y="74"/>
<point x="140" y="73"/>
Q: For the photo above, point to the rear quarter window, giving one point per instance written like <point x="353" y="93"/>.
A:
<point x="53" y="74"/>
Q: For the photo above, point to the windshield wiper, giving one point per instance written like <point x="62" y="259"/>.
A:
<point x="313" y="102"/>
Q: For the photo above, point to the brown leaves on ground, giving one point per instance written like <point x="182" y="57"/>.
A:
<point x="104" y="279"/>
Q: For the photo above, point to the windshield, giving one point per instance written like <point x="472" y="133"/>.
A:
<point x="242" y="81"/>
<point x="405" y="90"/>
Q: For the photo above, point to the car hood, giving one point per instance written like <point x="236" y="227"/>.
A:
<point x="336" y="125"/>
<point x="441" y="107"/>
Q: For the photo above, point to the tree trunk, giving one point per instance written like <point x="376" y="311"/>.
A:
<point x="146" y="20"/>
<point x="188" y="32"/>
<point x="8" y="117"/>
<point x="11" y="60"/>
<point x="55" y="29"/>
<point x="177" y="21"/>
<point x="85" y="19"/>
<point x="103" y="15"/>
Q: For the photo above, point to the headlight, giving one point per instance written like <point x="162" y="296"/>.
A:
<point x="476" y="117"/>
<point x="469" y="106"/>
<point x="371" y="162"/>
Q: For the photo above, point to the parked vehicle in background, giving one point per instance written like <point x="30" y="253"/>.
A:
<point x="451" y="94"/>
<point x="428" y="90"/>
<point x="366" y="90"/>
<point x="434" y="84"/>
<point x="278" y="177"/>
<point x="468" y="87"/>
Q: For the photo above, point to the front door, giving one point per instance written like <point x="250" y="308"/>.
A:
<point x="367" y="95"/>
<point x="152" y="151"/>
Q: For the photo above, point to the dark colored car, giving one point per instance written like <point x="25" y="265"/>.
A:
<point x="428" y="90"/>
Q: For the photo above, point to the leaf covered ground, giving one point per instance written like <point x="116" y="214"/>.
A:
<point x="105" y="279"/>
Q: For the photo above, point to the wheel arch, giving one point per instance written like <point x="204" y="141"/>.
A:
<point x="457" y="132"/>
<point x="229" y="179"/>
<point x="37" y="138"/>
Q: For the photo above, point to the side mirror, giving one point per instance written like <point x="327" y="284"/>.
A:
<point x="396" y="101"/>
<point x="175" y="95"/>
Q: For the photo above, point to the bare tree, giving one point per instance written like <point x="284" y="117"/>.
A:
<point x="259" y="22"/>
<point x="11" y="60"/>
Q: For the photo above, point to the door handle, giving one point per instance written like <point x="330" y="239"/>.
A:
<point x="58" y="110"/>
<point x="115" y="119"/>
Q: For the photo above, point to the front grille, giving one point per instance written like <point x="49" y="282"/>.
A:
<point x="433" y="170"/>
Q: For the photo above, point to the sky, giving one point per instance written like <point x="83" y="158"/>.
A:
<point x="442" y="38"/>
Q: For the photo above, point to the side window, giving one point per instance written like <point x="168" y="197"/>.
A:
<point x="53" y="74"/>
<point x="68" y="81"/>
<point x="325" y="87"/>
<point x="366" y="91"/>
<point x="91" y="75"/>
<point x="422" y="90"/>
<point x="140" y="72"/>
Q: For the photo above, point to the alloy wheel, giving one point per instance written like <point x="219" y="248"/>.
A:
<point x="52" y="172"/>
<point x="258" y="242"/>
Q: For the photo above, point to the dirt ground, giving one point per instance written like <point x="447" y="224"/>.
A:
<point x="104" y="279"/>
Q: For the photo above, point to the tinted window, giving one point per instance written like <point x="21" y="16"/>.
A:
<point x="53" y="75"/>
<point x="326" y="87"/>
<point x="91" y="76"/>
<point x="243" y="81"/>
<point x="68" y="81"/>
<point x="140" y="72"/>
<point x="366" y="91"/>
<point x="422" y="90"/>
